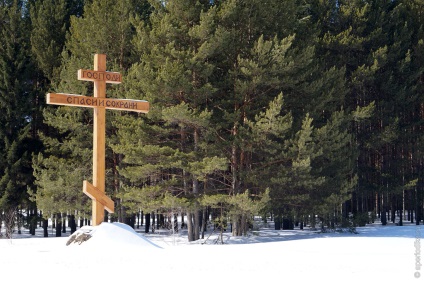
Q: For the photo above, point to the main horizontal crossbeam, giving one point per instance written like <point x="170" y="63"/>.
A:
<point x="94" y="102"/>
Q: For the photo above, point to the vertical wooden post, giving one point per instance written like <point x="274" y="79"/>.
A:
<point x="99" y="132"/>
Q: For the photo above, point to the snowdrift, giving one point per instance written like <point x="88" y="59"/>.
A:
<point x="109" y="235"/>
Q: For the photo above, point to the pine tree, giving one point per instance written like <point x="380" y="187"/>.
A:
<point x="344" y="39"/>
<point x="174" y="77"/>
<point x="50" y="20"/>
<point x="16" y="144"/>
<point x="400" y="105"/>
<point x="374" y="41"/>
<point x="49" y="24"/>
<point x="269" y="150"/>
<point x="69" y="141"/>
<point x="263" y="67"/>
<point x="236" y="67"/>
<point x="337" y="165"/>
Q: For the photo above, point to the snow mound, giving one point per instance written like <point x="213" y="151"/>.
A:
<point x="109" y="235"/>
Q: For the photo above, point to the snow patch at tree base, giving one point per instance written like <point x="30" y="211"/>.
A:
<point x="109" y="235"/>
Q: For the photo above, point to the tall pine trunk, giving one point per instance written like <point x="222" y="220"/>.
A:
<point x="72" y="223"/>
<point x="236" y="220"/>
<point x="45" y="227"/>
<point x="204" y="222"/>
<point x="147" y="222"/>
<point x="64" y="224"/>
<point x="193" y="216"/>
<point x="196" y="213"/>
<point x="58" y="225"/>
<point x="116" y="183"/>
<point x="32" y="221"/>
<point x="190" y="232"/>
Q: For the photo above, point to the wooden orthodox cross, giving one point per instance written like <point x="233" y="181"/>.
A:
<point x="99" y="103"/>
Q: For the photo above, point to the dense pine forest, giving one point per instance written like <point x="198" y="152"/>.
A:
<point x="308" y="111"/>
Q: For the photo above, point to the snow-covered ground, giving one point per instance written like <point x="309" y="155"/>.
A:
<point x="117" y="253"/>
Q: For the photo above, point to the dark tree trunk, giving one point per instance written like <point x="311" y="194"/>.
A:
<point x="64" y="224"/>
<point x="72" y="223"/>
<point x="200" y="220"/>
<point x="288" y="224"/>
<point x="393" y="211"/>
<point x="182" y="221"/>
<point x="106" y="217"/>
<point x="277" y="222"/>
<point x="411" y="206"/>
<point x="418" y="207"/>
<point x="197" y="219"/>
<point x="204" y="222"/>
<point x="130" y="220"/>
<point x="190" y="231"/>
<point x="58" y="225"/>
<point x="45" y="227"/>
<point x="33" y="226"/>
<point x="147" y="224"/>
<point x="32" y="221"/>
<point x="161" y="221"/>
<point x="175" y="223"/>
<point x="196" y="190"/>
<point x="121" y="212"/>
<point x="40" y="222"/>
<point x="236" y="228"/>
<point x="383" y="216"/>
